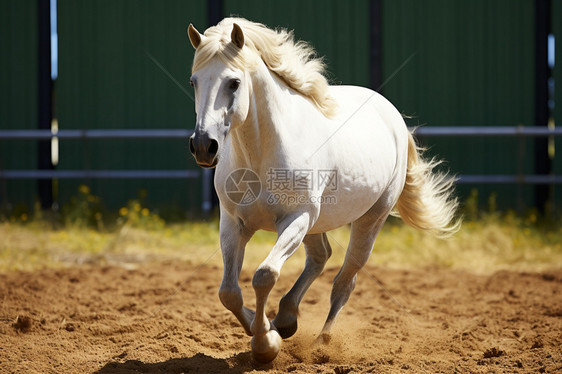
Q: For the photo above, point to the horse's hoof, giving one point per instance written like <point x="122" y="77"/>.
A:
<point x="287" y="331"/>
<point x="265" y="348"/>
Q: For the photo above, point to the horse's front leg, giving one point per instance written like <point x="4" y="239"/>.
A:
<point x="234" y="236"/>
<point x="266" y="341"/>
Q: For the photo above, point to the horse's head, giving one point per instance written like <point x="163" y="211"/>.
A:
<point x="221" y="88"/>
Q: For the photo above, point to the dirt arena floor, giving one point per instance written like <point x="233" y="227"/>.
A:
<point x="167" y="318"/>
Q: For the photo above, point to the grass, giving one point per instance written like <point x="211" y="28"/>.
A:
<point x="488" y="244"/>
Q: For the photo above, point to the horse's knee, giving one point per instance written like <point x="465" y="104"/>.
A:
<point x="231" y="297"/>
<point x="265" y="278"/>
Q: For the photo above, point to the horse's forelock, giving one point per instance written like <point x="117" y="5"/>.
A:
<point x="218" y="44"/>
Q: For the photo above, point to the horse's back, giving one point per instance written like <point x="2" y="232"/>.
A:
<point x="356" y="101"/>
<point x="372" y="126"/>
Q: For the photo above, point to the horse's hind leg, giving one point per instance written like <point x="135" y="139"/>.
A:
<point x="363" y="234"/>
<point x="318" y="251"/>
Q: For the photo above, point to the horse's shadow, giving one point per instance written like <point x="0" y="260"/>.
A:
<point x="199" y="363"/>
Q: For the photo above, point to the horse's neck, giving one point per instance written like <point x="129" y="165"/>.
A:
<point x="260" y="139"/>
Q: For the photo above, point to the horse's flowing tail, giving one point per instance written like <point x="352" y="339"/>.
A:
<point x="427" y="201"/>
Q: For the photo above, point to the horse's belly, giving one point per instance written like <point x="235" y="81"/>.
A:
<point x="332" y="217"/>
<point x="345" y="206"/>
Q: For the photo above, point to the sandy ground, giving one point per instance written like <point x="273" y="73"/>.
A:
<point x="167" y="318"/>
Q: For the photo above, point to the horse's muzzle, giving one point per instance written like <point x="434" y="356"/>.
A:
<point x="204" y="149"/>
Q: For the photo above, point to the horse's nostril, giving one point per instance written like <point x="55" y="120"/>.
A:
<point x="191" y="146"/>
<point x="213" y="147"/>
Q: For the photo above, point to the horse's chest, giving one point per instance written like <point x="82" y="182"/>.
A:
<point x="254" y="215"/>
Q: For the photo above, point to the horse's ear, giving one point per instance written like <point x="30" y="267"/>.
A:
<point x="237" y="36"/>
<point x="194" y="36"/>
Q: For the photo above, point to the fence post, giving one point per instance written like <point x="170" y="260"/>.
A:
<point x="45" y="87"/>
<point x="214" y="12"/>
<point x="543" y="164"/>
<point x="207" y="191"/>
<point x="375" y="19"/>
<point x="209" y="195"/>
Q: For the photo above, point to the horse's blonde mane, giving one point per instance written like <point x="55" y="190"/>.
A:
<point x="294" y="62"/>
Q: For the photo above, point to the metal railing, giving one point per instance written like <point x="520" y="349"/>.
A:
<point x="500" y="131"/>
<point x="86" y="134"/>
<point x="96" y="135"/>
<point x="487" y="131"/>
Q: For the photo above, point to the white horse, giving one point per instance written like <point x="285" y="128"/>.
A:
<point x="310" y="157"/>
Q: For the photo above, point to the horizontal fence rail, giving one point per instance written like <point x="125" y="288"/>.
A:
<point x="98" y="174"/>
<point x="488" y="131"/>
<point x="96" y="134"/>
<point x="509" y="179"/>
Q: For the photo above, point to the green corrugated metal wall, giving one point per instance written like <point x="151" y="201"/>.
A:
<point x="473" y="65"/>
<point x="107" y="81"/>
<point x="18" y="96"/>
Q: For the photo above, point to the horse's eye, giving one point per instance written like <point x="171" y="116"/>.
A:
<point x="234" y="84"/>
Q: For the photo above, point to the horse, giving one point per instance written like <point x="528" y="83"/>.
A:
<point x="299" y="157"/>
